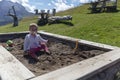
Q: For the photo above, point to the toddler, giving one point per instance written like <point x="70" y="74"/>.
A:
<point x="34" y="42"/>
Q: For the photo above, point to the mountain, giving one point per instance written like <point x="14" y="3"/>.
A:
<point x="5" y="6"/>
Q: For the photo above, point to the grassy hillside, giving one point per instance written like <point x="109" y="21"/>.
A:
<point x="100" y="27"/>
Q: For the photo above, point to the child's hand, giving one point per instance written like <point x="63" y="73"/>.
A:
<point x="42" y="43"/>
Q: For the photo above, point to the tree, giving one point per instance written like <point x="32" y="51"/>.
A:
<point x="15" y="18"/>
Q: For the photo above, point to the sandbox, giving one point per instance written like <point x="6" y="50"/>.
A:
<point x="88" y="61"/>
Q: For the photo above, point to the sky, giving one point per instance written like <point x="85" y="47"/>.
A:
<point x="59" y="5"/>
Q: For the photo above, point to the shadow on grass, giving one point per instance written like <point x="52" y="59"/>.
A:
<point x="116" y="11"/>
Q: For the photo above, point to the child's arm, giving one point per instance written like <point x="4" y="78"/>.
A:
<point x="42" y="40"/>
<point x="26" y="44"/>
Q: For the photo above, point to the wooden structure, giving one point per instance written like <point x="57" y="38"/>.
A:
<point x="97" y="68"/>
<point x="14" y="16"/>
<point x="103" y="6"/>
<point x="11" y="68"/>
<point x="54" y="12"/>
<point x="57" y="19"/>
<point x="45" y="17"/>
<point x="36" y="11"/>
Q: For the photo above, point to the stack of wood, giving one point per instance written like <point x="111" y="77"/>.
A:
<point x="53" y="19"/>
<point x="45" y="17"/>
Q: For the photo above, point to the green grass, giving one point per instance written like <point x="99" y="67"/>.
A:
<point x="100" y="27"/>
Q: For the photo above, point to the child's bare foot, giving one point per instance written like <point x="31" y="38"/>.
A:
<point x="48" y="52"/>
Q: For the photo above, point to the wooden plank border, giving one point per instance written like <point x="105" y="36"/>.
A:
<point x="11" y="68"/>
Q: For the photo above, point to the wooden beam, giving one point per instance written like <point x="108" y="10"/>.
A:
<point x="85" y="69"/>
<point x="11" y="68"/>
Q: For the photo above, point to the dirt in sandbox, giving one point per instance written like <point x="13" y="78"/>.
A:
<point x="61" y="55"/>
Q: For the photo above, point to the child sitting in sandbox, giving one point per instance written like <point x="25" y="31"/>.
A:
<point x="34" y="42"/>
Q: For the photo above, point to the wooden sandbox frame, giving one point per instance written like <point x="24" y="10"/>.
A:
<point x="12" y="69"/>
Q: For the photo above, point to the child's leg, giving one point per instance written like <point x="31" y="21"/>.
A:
<point x="33" y="51"/>
<point x="44" y="46"/>
<point x="33" y="55"/>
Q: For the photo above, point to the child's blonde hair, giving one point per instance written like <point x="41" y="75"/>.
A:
<point x="33" y="25"/>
